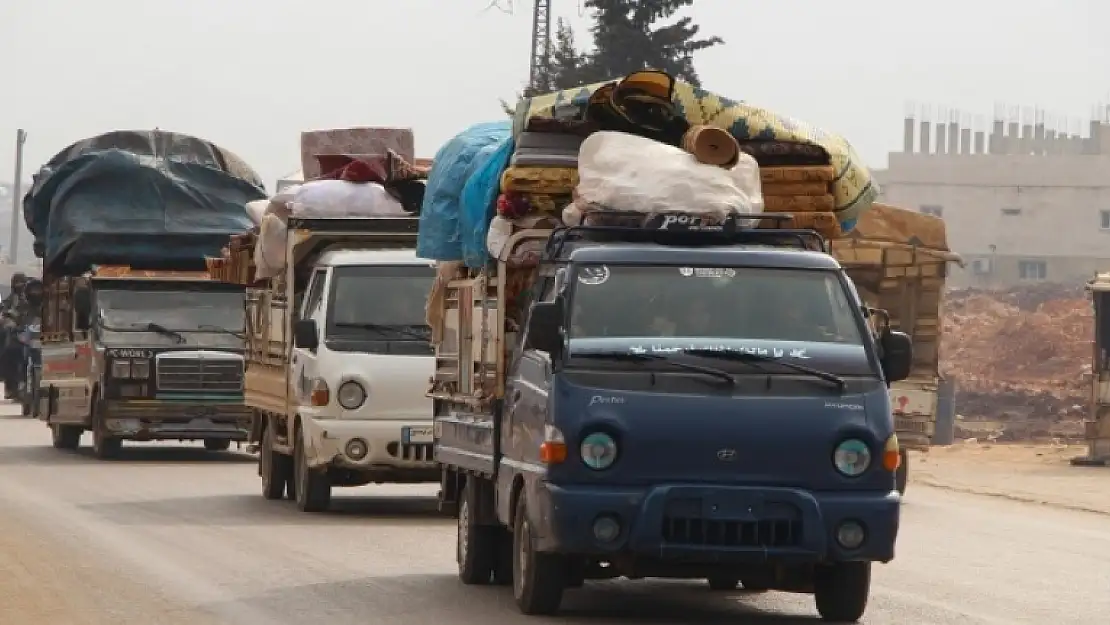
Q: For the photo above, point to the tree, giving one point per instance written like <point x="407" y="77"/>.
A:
<point x="627" y="38"/>
<point x="628" y="35"/>
<point x="568" y="67"/>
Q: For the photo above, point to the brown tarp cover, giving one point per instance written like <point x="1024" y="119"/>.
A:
<point x="890" y="224"/>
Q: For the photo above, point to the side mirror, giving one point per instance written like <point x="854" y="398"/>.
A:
<point x="897" y="355"/>
<point x="305" y="335"/>
<point x="545" y="327"/>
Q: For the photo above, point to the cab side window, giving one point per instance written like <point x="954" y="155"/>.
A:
<point x="315" y="294"/>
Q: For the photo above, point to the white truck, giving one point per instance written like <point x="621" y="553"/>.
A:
<point x="339" y="360"/>
<point x="898" y="260"/>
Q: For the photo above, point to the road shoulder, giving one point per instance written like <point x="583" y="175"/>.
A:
<point x="1032" y="473"/>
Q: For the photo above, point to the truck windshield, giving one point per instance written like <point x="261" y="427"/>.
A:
<point x="721" y="304"/>
<point x="379" y="302"/>
<point x="175" y="311"/>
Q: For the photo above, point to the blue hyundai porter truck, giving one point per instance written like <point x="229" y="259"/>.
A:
<point x="644" y="402"/>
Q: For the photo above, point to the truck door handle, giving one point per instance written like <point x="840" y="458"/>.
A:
<point x="515" y="396"/>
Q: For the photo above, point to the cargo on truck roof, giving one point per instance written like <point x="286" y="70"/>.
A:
<point x="102" y="272"/>
<point x="150" y="198"/>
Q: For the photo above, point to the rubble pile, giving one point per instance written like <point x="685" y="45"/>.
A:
<point x="1022" y="354"/>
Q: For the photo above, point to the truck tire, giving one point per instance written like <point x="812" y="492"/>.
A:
<point x="841" y="591"/>
<point x="503" y="559"/>
<point x="723" y="582"/>
<point x="475" y="545"/>
<point x="66" y="437"/>
<point x="217" y="444"/>
<point x="538" y="578"/>
<point x="105" y="446"/>
<point x="313" y="488"/>
<point x="902" y="475"/>
<point x="276" y="469"/>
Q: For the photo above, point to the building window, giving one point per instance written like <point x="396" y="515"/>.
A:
<point x="1104" y="219"/>
<point x="1032" y="269"/>
<point x="981" y="266"/>
<point x="1011" y="212"/>
<point x="932" y="209"/>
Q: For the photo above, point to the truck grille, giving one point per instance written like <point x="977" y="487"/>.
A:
<point x="737" y="534"/>
<point x="414" y="452"/>
<point x="200" y="375"/>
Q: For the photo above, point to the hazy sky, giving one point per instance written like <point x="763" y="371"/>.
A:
<point x="251" y="74"/>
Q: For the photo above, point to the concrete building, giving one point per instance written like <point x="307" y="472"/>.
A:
<point x="1023" y="201"/>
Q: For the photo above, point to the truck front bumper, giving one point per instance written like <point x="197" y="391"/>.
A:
<point x="395" y="451"/>
<point x="694" y="524"/>
<point x="155" y="420"/>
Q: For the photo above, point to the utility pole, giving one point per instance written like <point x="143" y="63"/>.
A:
<point x="541" y="46"/>
<point x="17" y="195"/>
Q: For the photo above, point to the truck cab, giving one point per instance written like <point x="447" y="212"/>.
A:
<point x="142" y="355"/>
<point x="339" y="392"/>
<point x="686" y="405"/>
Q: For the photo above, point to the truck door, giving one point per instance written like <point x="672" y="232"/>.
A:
<point x="304" y="360"/>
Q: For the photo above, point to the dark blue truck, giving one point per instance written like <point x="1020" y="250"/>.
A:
<point x="670" y="404"/>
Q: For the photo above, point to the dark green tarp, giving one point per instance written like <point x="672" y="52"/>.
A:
<point x="149" y="199"/>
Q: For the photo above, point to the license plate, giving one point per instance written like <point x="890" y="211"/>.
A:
<point x="416" y="435"/>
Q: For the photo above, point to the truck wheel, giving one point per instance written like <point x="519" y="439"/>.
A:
<point x="902" y="476"/>
<point x="538" y="578"/>
<point x="723" y="582"/>
<point x="475" y="546"/>
<point x="66" y="437"/>
<point x="105" y="446"/>
<point x="217" y="444"/>
<point x="313" y="489"/>
<point x="753" y="586"/>
<point x="503" y="557"/>
<point x="276" y="469"/>
<point x="841" y="591"/>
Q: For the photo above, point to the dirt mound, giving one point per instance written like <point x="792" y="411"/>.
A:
<point x="1021" y="354"/>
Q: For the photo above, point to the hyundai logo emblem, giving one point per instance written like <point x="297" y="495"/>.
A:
<point x="726" y="455"/>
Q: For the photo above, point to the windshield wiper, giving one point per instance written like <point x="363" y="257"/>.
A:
<point x="403" y="330"/>
<point x="222" y="330"/>
<point x="720" y="374"/>
<point x="164" y="331"/>
<point x="757" y="359"/>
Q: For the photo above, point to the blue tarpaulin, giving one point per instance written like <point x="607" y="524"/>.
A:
<point x="462" y="187"/>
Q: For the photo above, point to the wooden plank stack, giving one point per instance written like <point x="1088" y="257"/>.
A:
<point x="804" y="191"/>
<point x="236" y="263"/>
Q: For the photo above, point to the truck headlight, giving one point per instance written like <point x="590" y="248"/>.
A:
<point x="121" y="369"/>
<point x="852" y="457"/>
<point x="140" y="369"/>
<point x="350" y="395"/>
<point x="599" y="451"/>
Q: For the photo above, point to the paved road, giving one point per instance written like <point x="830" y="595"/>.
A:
<point x="189" y="528"/>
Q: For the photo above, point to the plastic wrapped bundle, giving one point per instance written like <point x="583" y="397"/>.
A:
<point x="450" y="228"/>
<point x="632" y="174"/>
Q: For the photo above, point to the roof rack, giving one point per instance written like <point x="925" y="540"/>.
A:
<point x="689" y="231"/>
<point x="407" y="225"/>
